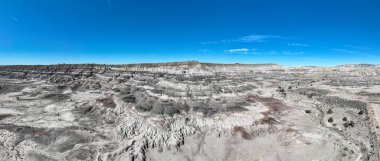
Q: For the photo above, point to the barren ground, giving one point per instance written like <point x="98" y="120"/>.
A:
<point x="189" y="111"/>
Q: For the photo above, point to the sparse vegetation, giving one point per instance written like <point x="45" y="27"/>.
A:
<point x="349" y="123"/>
<point x="330" y="120"/>
<point x="158" y="107"/>
<point x="329" y="111"/>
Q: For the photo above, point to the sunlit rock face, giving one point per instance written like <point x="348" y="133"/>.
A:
<point x="189" y="111"/>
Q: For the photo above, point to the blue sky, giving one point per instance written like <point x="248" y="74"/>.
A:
<point x="288" y="32"/>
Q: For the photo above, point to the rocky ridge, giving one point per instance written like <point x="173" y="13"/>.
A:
<point x="183" y="110"/>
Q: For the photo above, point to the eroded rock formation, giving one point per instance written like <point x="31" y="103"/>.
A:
<point x="188" y="111"/>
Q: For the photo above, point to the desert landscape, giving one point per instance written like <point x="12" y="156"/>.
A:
<point x="189" y="111"/>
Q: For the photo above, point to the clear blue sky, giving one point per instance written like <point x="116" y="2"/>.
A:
<point x="288" y="32"/>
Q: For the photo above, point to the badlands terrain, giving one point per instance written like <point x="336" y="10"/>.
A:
<point x="189" y="111"/>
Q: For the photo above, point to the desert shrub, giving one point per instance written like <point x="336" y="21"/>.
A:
<point x="329" y="111"/>
<point x="116" y="89"/>
<point x="349" y="123"/>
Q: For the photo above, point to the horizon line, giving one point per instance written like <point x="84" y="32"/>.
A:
<point x="194" y="61"/>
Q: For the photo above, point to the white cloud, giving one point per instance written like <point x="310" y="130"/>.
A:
<point x="256" y="38"/>
<point x="343" y="51"/>
<point x="353" y="52"/>
<point x="277" y="53"/>
<point x="254" y="52"/>
<point x="244" y="39"/>
<point x="240" y="50"/>
<point x="298" y="44"/>
<point x="203" y="50"/>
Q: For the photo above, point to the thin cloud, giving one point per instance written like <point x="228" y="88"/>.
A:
<point x="14" y="19"/>
<point x="109" y="4"/>
<point x="359" y="53"/>
<point x="209" y="42"/>
<point x="298" y="44"/>
<point x="240" y="50"/>
<point x="344" y="51"/>
<point x="256" y="38"/>
<point x="277" y="53"/>
<point x="244" y="39"/>
<point x="246" y="51"/>
<point x="356" y="47"/>
<point x="204" y="50"/>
